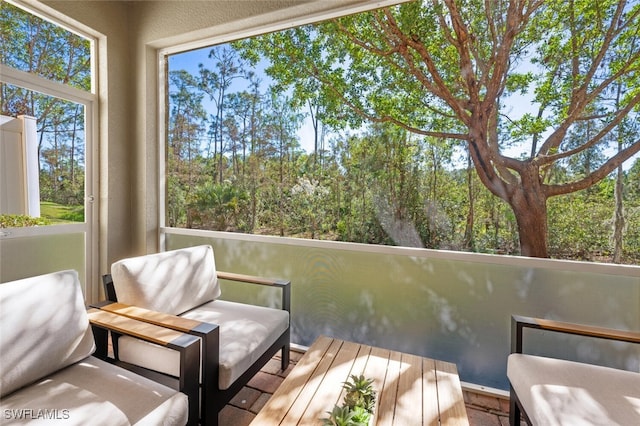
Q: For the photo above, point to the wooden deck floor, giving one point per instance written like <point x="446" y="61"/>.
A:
<point x="482" y="410"/>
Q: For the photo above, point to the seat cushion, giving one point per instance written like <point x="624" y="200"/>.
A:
<point x="94" y="392"/>
<point x="171" y="282"/>
<point x="559" y="392"/>
<point x="246" y="332"/>
<point x="43" y="327"/>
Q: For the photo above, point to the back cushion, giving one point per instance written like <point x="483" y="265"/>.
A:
<point x="43" y="328"/>
<point x="171" y="282"/>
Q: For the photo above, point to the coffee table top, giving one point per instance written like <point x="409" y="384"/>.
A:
<point x="412" y="390"/>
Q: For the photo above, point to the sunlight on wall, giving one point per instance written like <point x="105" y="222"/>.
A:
<point x="455" y="307"/>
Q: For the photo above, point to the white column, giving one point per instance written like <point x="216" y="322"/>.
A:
<point x="31" y="167"/>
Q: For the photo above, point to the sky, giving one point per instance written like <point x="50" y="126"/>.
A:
<point x="189" y="61"/>
<point x="516" y="105"/>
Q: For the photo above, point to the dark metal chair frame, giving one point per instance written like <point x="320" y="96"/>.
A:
<point x="519" y="323"/>
<point x="213" y="398"/>
<point x="187" y="345"/>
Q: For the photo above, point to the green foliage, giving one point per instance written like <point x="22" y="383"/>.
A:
<point x="308" y="206"/>
<point x="342" y="416"/>
<point x="572" y="234"/>
<point x="631" y="249"/>
<point x="397" y="108"/>
<point x="361" y="416"/>
<point x="217" y="206"/>
<point x="452" y="71"/>
<point x="374" y="191"/>
<point x="360" y="393"/>
<point x="21" y="221"/>
<point x="358" y="405"/>
<point x="34" y="45"/>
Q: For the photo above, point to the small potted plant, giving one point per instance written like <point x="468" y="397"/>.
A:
<point x="359" y="404"/>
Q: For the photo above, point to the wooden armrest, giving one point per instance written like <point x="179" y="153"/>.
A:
<point x="252" y="279"/>
<point x="155" y="318"/>
<point x="142" y="330"/>
<point x="520" y="322"/>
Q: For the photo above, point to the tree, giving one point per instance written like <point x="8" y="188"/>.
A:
<point x="282" y="123"/>
<point x="185" y="128"/>
<point x="216" y="83"/>
<point x="447" y="69"/>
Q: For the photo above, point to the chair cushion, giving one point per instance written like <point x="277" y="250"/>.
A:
<point x="246" y="332"/>
<point x="93" y="392"/>
<point x="171" y="282"/>
<point x="559" y="392"/>
<point x="43" y="327"/>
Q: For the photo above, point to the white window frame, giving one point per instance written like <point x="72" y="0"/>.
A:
<point x="89" y="100"/>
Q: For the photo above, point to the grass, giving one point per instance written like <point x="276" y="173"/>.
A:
<point x="59" y="213"/>
<point x="50" y="214"/>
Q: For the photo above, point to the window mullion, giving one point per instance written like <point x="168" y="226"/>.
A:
<point x="38" y="84"/>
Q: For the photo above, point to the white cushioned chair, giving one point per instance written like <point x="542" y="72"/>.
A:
<point x="553" y="392"/>
<point x="48" y="371"/>
<point x="184" y="283"/>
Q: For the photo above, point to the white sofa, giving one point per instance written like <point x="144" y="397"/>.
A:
<point x="48" y="372"/>
<point x="553" y="392"/>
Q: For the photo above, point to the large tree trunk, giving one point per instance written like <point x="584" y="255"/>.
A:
<point x="530" y="208"/>
<point x="525" y="194"/>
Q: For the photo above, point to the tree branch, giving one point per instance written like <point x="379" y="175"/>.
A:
<point x="518" y="15"/>
<point x="619" y="116"/>
<point x="437" y="85"/>
<point x="597" y="175"/>
<point x="580" y="97"/>
<point x="381" y="119"/>
<point x="461" y="43"/>
<point x="364" y="45"/>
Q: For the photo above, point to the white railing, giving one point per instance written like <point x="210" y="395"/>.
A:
<point x="446" y="305"/>
<point x="29" y="251"/>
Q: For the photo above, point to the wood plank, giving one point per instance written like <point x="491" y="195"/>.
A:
<point x="231" y="276"/>
<point x="430" y="410"/>
<point x="153" y="317"/>
<point x="142" y="330"/>
<point x="308" y="392"/>
<point x="386" y="406"/>
<point x="287" y="393"/>
<point x="328" y="393"/>
<point x="376" y="369"/>
<point x="588" y="330"/>
<point x="358" y="367"/>
<point x="407" y="411"/>
<point x="451" y="401"/>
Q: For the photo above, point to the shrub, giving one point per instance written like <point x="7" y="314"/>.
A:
<point x="21" y="221"/>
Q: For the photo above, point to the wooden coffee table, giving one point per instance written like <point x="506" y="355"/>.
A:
<point x="412" y="390"/>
